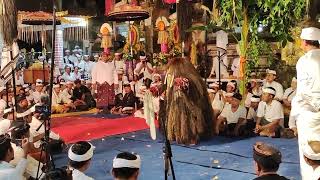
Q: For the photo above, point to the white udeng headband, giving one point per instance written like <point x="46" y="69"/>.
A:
<point x="255" y="99"/>
<point x="231" y="84"/>
<point x="124" y="163"/>
<point x="268" y="90"/>
<point x="309" y="153"/>
<point x="79" y="158"/>
<point x="143" y="57"/>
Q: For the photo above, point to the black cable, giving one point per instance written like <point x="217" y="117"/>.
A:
<point x="204" y="150"/>
<point x="213" y="167"/>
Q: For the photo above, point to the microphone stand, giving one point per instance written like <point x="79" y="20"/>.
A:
<point x="167" y="152"/>
<point x="47" y="121"/>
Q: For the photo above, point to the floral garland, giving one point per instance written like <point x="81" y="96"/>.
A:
<point x="159" y="59"/>
<point x="127" y="57"/>
<point x="181" y="84"/>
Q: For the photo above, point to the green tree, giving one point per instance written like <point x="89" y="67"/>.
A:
<point x="276" y="16"/>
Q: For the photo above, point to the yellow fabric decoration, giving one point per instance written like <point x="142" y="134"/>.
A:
<point x="193" y="54"/>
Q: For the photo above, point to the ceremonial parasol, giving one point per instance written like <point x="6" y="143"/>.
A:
<point x="128" y="12"/>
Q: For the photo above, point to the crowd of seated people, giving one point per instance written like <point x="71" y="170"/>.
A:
<point x="264" y="110"/>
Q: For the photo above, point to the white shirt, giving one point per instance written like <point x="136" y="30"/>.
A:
<point x="19" y="80"/>
<point x="9" y="172"/>
<point x="233" y="117"/>
<point x="37" y="96"/>
<point x="271" y="112"/>
<point x="66" y="94"/>
<point x="78" y="175"/>
<point x="104" y="72"/>
<point x="57" y="99"/>
<point x="86" y="68"/>
<point x="76" y="76"/>
<point x="252" y="114"/>
<point x="277" y="86"/>
<point x="120" y="65"/>
<point x="68" y="77"/>
<point x="217" y="103"/>
<point x="32" y="164"/>
<point x="289" y="94"/>
<point x="308" y="81"/>
<point x="316" y="173"/>
<point x="146" y="73"/>
<point x="4" y="126"/>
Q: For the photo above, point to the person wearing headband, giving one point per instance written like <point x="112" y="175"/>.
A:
<point x="60" y="103"/>
<point x="144" y="68"/>
<point x="269" y="114"/>
<point x="287" y="99"/>
<point x="105" y="81"/>
<point x="80" y="155"/>
<point x="7" y="171"/>
<point x="251" y="117"/>
<point x="311" y="154"/>
<point x="267" y="160"/>
<point x="86" y="67"/>
<point x="270" y="82"/>
<point x="36" y="95"/>
<point x="76" y="72"/>
<point x="126" y="166"/>
<point x="305" y="107"/>
<point x="118" y="61"/>
<point x="232" y="117"/>
<point x="7" y="120"/>
<point x="67" y="75"/>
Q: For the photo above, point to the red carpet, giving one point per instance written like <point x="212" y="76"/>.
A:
<point x="73" y="129"/>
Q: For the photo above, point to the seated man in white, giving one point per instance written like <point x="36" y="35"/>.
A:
<point x="251" y="117"/>
<point x="288" y="96"/>
<point x="38" y="91"/>
<point x="232" y="117"/>
<point x="60" y="103"/>
<point x="126" y="166"/>
<point x="67" y="75"/>
<point x="270" y="82"/>
<point x="269" y="115"/>
<point x="80" y="155"/>
<point x="7" y="171"/>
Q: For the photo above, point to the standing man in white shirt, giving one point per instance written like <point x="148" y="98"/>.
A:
<point x="233" y="115"/>
<point x="7" y="171"/>
<point x="80" y="155"/>
<point x="269" y="115"/>
<point x="306" y="104"/>
<point x="105" y="81"/>
<point x="144" y="68"/>
<point x="118" y="61"/>
<point x="270" y="82"/>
